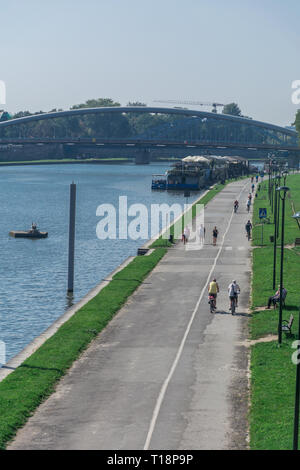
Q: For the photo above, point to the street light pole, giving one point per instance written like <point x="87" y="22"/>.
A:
<point x="278" y="209"/>
<point x="284" y="189"/>
<point x="276" y="223"/>
<point x="269" y="181"/>
<point x="272" y="194"/>
<point x="297" y="391"/>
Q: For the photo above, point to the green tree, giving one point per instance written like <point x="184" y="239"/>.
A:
<point x="297" y="122"/>
<point x="232" y="109"/>
<point x="99" y="103"/>
<point x="4" y="116"/>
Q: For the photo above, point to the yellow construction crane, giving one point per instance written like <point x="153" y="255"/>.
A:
<point x="193" y="103"/>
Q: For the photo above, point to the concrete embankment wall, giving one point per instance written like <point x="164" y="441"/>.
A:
<point x="30" y="152"/>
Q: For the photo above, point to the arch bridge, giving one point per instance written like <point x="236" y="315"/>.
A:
<point x="149" y="130"/>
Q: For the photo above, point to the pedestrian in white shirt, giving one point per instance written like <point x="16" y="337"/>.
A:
<point x="187" y="234"/>
<point x="202" y="234"/>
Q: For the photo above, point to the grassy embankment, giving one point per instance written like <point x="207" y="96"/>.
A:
<point x="272" y="370"/>
<point x="24" y="389"/>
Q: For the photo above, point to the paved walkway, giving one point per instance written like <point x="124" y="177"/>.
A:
<point x="165" y="373"/>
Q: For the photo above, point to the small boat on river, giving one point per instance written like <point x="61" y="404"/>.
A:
<point x="32" y="233"/>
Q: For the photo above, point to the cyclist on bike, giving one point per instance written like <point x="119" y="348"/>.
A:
<point x="233" y="292"/>
<point x="236" y="205"/>
<point x="248" y="228"/>
<point x="213" y="290"/>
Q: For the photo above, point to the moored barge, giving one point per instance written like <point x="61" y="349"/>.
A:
<point x="32" y="233"/>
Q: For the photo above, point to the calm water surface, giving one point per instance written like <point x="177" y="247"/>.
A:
<point x="33" y="273"/>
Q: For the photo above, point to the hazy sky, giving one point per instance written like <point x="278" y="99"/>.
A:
<point x="56" y="53"/>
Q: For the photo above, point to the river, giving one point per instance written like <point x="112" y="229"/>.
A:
<point x="33" y="273"/>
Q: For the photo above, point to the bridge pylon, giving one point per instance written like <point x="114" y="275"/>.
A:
<point x="142" y="157"/>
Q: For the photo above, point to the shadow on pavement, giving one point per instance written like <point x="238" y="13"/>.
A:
<point x="237" y="314"/>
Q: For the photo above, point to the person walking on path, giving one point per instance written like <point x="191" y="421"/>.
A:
<point x="215" y="236"/>
<point x="186" y="235"/>
<point x="202" y="234"/>
<point x="248" y="228"/>
<point x="248" y="204"/>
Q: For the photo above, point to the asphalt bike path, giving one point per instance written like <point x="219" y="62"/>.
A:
<point x="165" y="373"/>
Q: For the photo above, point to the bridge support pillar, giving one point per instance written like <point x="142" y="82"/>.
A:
<point x="143" y="157"/>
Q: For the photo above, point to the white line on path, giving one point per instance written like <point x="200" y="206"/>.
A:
<point x="182" y="344"/>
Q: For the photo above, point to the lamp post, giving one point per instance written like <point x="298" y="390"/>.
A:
<point x="278" y="208"/>
<point x="272" y="193"/>
<point x="276" y="223"/>
<point x="269" y="180"/>
<point x="297" y="391"/>
<point x="284" y="174"/>
<point x="283" y="190"/>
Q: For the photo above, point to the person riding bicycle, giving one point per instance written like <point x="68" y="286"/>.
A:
<point x="236" y="205"/>
<point x="248" y="228"/>
<point x="233" y="292"/>
<point x="213" y="290"/>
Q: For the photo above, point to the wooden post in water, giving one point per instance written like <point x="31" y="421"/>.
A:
<point x="72" y="237"/>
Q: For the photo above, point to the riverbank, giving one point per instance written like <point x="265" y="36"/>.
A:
<point x="99" y="161"/>
<point x="156" y="352"/>
<point x="26" y="387"/>
<point x="104" y="161"/>
<point x="273" y="373"/>
<point x="34" y="292"/>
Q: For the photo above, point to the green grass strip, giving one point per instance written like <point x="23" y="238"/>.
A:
<point x="273" y="373"/>
<point x="24" y="389"/>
